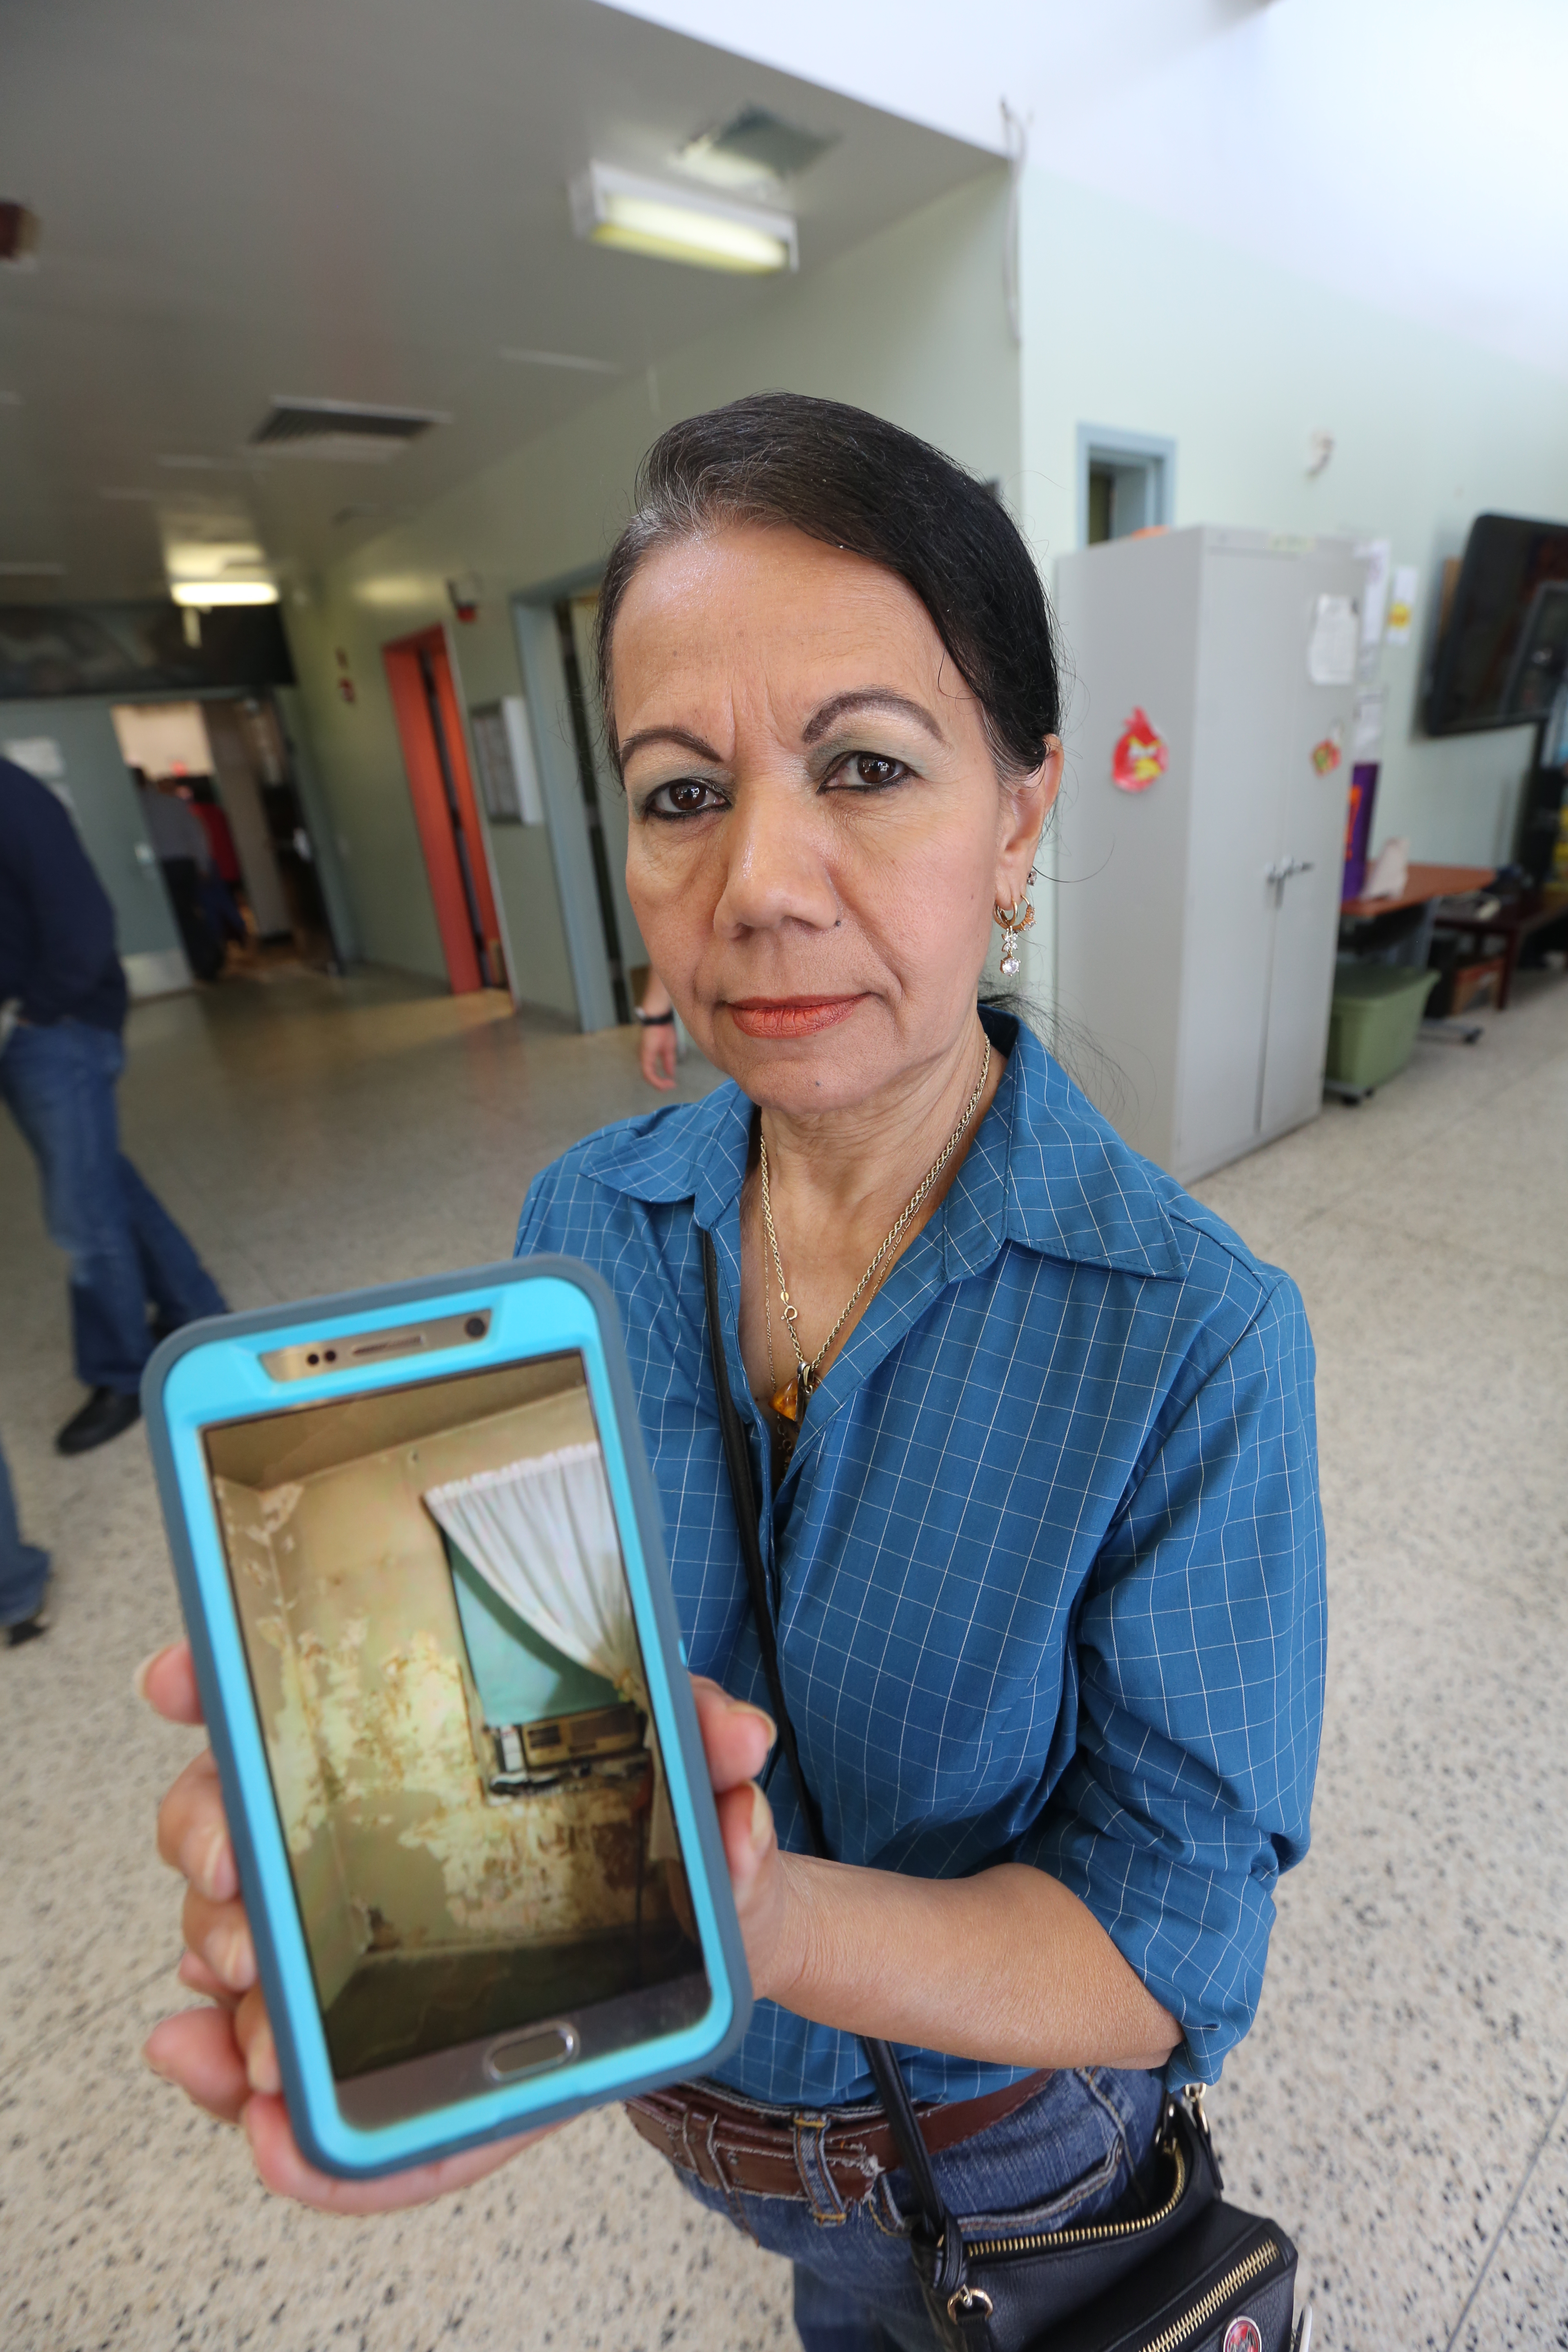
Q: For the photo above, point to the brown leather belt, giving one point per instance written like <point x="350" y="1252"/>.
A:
<point x="831" y="2160"/>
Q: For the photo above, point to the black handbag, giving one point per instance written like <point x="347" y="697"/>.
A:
<point x="1190" y="2273"/>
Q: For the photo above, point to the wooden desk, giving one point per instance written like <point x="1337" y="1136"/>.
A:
<point x="1426" y="882"/>
<point x="1521" y="913"/>
<point x="1424" y="887"/>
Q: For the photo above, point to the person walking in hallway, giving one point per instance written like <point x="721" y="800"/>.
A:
<point x="62" y="991"/>
<point x="186" y="854"/>
<point x="23" y="1573"/>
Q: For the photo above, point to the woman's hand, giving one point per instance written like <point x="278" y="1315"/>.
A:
<point x="222" y="2056"/>
<point x="737" y="1739"/>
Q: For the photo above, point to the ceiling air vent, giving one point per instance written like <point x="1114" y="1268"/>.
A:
<point x="754" y="146"/>
<point x="340" y="429"/>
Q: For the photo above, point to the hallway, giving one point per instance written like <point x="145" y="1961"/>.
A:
<point x="1402" y="2102"/>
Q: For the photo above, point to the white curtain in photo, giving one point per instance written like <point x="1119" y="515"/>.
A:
<point x="541" y="1533"/>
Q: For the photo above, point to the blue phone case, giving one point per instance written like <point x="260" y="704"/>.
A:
<point x="211" y="1373"/>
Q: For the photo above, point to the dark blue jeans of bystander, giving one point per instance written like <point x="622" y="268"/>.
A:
<point x="126" y="1252"/>
<point x="24" y="1567"/>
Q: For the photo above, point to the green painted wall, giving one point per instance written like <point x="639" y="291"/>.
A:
<point x="911" y="324"/>
<point x="1139" y="323"/>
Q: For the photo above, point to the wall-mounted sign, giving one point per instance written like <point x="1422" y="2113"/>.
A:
<point x="1141" y="754"/>
<point x="503" y="753"/>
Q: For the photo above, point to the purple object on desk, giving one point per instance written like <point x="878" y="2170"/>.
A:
<point x="1358" y="826"/>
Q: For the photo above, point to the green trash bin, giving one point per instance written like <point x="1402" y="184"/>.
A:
<point x="1376" y="1012"/>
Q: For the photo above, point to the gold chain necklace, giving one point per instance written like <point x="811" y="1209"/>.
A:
<point x="789" y="1402"/>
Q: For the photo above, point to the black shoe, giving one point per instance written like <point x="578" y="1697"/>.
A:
<point x="28" y="1629"/>
<point x="106" y="1414"/>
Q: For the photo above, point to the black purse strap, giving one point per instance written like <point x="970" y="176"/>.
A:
<point x="885" y="2069"/>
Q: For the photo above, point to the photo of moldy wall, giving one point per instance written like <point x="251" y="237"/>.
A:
<point x="439" y="1635"/>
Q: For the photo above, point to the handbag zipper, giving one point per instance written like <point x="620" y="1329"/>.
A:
<point x="1091" y="2232"/>
<point x="1257" y="2261"/>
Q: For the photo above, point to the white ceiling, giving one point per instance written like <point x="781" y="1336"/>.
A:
<point x="358" y="200"/>
<point x="1407" y="151"/>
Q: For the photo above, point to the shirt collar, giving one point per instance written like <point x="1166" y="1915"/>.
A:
<point x="1045" y="1170"/>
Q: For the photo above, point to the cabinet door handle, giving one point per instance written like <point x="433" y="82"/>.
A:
<point x="1278" y="874"/>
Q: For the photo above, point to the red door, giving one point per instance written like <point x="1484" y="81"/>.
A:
<point x="431" y="726"/>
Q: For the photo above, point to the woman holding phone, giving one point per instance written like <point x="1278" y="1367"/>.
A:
<point x="1032" y="1429"/>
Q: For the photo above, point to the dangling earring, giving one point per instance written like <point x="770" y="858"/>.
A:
<point x="1013" y="920"/>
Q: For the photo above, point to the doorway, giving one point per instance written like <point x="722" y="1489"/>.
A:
<point x="257" y="904"/>
<point x="430" y="728"/>
<point x="584" y="804"/>
<point x="604" y="798"/>
<point x="1126" y="483"/>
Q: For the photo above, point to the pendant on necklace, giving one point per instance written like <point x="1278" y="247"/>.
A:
<point x="787" y="1400"/>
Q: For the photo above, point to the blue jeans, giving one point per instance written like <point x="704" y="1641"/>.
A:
<point x="24" y="1568"/>
<point x="1072" y="2152"/>
<point x="125" y="1251"/>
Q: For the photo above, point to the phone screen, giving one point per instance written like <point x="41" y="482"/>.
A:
<point x="434" y="1608"/>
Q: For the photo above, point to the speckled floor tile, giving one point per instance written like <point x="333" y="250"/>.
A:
<point x="302" y="1152"/>
<point x="1522" y="2302"/>
<point x="1401" y="1154"/>
<point x="1412" y="2048"/>
<point x="1409" y="2049"/>
<point x="155" y="2232"/>
<point x="1413" y="2038"/>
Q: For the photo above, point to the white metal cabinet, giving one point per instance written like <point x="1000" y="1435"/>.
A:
<point x="1196" y="921"/>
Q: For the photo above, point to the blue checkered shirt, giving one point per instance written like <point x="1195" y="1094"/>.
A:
<point x="1049" y="1556"/>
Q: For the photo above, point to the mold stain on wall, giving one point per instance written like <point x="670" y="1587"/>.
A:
<point x="373" y="1727"/>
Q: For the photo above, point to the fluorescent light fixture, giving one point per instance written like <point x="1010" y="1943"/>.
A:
<point x="611" y="207"/>
<point x="205" y="594"/>
<point x="560" y="360"/>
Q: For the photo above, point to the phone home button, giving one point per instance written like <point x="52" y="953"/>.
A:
<point x="530" y="2053"/>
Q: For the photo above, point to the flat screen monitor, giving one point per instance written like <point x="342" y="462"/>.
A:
<point x="1503" y="653"/>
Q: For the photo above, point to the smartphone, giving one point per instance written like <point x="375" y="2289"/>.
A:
<point x="419" y="1555"/>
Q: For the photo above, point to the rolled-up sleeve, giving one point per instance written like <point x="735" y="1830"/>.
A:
<point x="1200" y="1651"/>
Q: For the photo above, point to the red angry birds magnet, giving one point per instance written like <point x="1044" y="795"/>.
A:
<point x="1141" y="755"/>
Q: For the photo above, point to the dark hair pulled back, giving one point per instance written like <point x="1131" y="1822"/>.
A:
<point x="855" y="481"/>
